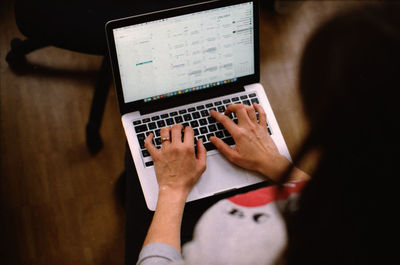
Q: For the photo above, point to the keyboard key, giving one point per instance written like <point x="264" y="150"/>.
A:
<point x="157" y="132"/>
<point x="211" y="120"/>
<point x="221" y="109"/>
<point x="212" y="128"/>
<point x="200" y="107"/>
<point x="209" y="146"/>
<point x="163" y="116"/>
<point x="226" y="101"/>
<point x="204" y="113"/>
<point x="146" y="120"/>
<point x="141" y="137"/>
<point x="209" y="105"/>
<point x="235" y="120"/>
<point x="152" y="125"/>
<point x="229" y="141"/>
<point x="145" y="153"/>
<point x="137" y="122"/>
<point x="209" y="136"/>
<point x="196" y="132"/>
<point x="252" y="95"/>
<point x="158" y="141"/>
<point x="196" y="115"/>
<point x="202" y="137"/>
<point x="185" y="124"/>
<point x="161" y="124"/>
<point x="148" y="133"/>
<point x="170" y="121"/>
<point x="219" y="134"/>
<point x="235" y="99"/>
<point x="254" y="100"/>
<point x="220" y="126"/>
<point x="174" y="113"/>
<point x="155" y="118"/>
<point x="187" y="117"/>
<point x="226" y="133"/>
<point x="246" y="102"/>
<point x="194" y="124"/>
<point x="243" y="97"/>
<point x="149" y="164"/>
<point x="191" y="109"/>
<point x="217" y="103"/>
<point x="178" y="119"/>
<point x="141" y="128"/>
<point x="203" y="130"/>
<point x="182" y="111"/>
<point x="203" y="121"/>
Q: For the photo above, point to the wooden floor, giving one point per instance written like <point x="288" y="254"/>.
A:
<point x="58" y="204"/>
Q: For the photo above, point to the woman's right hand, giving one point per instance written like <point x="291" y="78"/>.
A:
<point x="254" y="148"/>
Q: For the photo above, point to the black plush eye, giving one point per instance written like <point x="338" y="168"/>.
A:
<point x="260" y="217"/>
<point x="236" y="212"/>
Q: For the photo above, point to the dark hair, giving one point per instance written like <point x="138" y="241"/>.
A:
<point x="349" y="79"/>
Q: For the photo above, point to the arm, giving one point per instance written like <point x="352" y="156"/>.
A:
<point x="177" y="170"/>
<point x="166" y="224"/>
<point x="254" y="148"/>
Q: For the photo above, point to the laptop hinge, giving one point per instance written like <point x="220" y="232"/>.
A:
<point x="187" y="99"/>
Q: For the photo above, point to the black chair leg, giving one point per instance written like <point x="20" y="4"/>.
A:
<point x="93" y="138"/>
<point x="19" y="48"/>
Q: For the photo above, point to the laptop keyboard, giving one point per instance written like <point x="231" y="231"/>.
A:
<point x="198" y="117"/>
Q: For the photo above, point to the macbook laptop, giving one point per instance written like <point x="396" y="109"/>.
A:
<point x="174" y="66"/>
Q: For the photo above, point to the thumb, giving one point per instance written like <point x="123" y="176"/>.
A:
<point x="201" y="154"/>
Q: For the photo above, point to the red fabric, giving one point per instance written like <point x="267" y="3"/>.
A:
<point x="266" y="195"/>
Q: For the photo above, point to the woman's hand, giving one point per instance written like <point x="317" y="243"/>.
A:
<point x="255" y="149"/>
<point x="176" y="165"/>
<point x="177" y="169"/>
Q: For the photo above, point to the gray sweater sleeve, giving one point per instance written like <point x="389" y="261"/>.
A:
<point x="159" y="254"/>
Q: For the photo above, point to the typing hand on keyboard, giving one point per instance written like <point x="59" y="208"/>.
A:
<point x="196" y="116"/>
<point x="177" y="166"/>
<point x="254" y="148"/>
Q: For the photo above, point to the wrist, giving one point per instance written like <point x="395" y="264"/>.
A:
<point x="172" y="195"/>
<point x="276" y="167"/>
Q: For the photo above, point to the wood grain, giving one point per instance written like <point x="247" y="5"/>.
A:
<point x="58" y="204"/>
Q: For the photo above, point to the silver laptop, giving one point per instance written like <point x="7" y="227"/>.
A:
<point x="174" y="66"/>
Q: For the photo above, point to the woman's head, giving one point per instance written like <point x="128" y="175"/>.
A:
<point x="350" y="74"/>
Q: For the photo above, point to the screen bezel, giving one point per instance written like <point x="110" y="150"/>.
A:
<point x="152" y="106"/>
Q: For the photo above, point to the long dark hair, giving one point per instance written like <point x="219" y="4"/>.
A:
<point x="349" y="82"/>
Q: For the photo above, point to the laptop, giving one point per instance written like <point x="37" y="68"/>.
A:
<point x="174" y="66"/>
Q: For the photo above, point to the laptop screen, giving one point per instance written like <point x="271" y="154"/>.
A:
<point x="186" y="53"/>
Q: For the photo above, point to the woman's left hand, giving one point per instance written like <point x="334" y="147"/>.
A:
<point x="176" y="165"/>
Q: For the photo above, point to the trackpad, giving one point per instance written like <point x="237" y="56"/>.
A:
<point x="221" y="175"/>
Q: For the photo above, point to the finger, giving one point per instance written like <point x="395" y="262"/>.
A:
<point x="262" y="116"/>
<point x="240" y="111"/>
<point x="252" y="114"/>
<point x="188" y="136"/>
<point x="176" y="133"/>
<point x="148" y="143"/>
<point x="225" y="120"/>
<point x="225" y="149"/>
<point x="201" y="153"/>
<point x="165" y="135"/>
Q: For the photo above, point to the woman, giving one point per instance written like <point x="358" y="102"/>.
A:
<point x="349" y="71"/>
